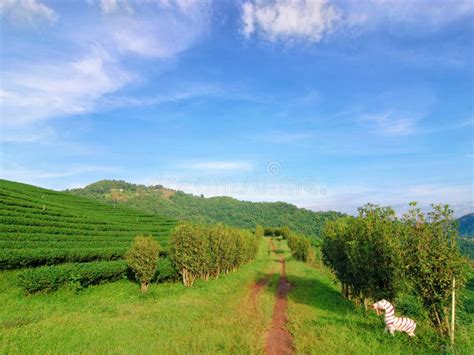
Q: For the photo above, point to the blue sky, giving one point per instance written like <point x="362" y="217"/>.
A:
<point x="327" y="104"/>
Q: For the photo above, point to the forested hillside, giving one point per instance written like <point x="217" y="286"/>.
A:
<point x="466" y="225"/>
<point x="179" y="205"/>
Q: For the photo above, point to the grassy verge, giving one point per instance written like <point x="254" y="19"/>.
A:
<point x="323" y="322"/>
<point x="212" y="317"/>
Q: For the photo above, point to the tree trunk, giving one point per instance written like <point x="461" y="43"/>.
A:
<point x="144" y="287"/>
<point x="453" y="310"/>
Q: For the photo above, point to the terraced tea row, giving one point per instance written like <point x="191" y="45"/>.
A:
<point x="44" y="227"/>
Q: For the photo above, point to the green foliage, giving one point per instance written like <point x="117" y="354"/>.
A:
<point x="301" y="248"/>
<point x="182" y="206"/>
<point x="377" y="255"/>
<point x="200" y="251"/>
<point x="50" y="278"/>
<point x="269" y="232"/>
<point x="44" y="227"/>
<point x="466" y="246"/>
<point x="165" y="270"/>
<point x="18" y="258"/>
<point x="259" y="231"/>
<point x="285" y="232"/>
<point x="364" y="253"/>
<point x="142" y="257"/>
<point x="433" y="259"/>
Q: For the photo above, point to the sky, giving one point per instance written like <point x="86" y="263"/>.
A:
<point x="327" y="104"/>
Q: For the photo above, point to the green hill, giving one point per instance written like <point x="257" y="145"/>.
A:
<point x="44" y="227"/>
<point x="182" y="206"/>
<point x="466" y="225"/>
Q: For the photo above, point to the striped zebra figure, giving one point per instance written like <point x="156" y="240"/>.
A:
<point x="393" y="323"/>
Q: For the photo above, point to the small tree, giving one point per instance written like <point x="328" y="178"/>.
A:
<point x="142" y="257"/>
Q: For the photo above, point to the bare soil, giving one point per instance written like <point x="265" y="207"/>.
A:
<point x="278" y="339"/>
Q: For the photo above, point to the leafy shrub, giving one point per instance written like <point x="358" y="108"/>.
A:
<point x="142" y="257"/>
<point x="259" y="231"/>
<point x="50" y="278"/>
<point x="433" y="260"/>
<point x="203" y="251"/>
<point x="301" y="248"/>
<point x="165" y="270"/>
<point x="269" y="232"/>
<point x="285" y="232"/>
<point x="376" y="255"/>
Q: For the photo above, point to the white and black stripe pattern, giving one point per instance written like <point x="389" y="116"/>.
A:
<point x="394" y="323"/>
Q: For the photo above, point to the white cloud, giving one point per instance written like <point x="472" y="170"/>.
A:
<point x="37" y="91"/>
<point x="289" y="20"/>
<point x="312" y="20"/>
<point x="160" y="29"/>
<point x="87" y="74"/>
<point x="348" y="198"/>
<point x="26" y="12"/>
<point x="309" y="193"/>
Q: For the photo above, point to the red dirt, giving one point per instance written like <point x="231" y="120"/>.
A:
<point x="258" y="287"/>
<point x="279" y="340"/>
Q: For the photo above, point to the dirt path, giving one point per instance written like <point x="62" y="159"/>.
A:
<point x="278" y="340"/>
<point x="258" y="287"/>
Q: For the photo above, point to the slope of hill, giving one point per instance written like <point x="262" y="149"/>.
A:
<point x="179" y="205"/>
<point x="42" y="227"/>
<point x="466" y="225"/>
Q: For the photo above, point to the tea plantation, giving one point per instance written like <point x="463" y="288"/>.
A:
<point x="40" y="227"/>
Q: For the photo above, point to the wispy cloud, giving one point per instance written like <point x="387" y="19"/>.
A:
<point x="390" y="122"/>
<point x="289" y="20"/>
<point x="94" y="69"/>
<point x="159" y="29"/>
<point x="424" y="15"/>
<point x="26" y="13"/>
<point x="17" y="172"/>
<point x="37" y="91"/>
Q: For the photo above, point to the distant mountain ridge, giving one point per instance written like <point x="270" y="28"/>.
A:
<point x="466" y="225"/>
<point x="177" y="204"/>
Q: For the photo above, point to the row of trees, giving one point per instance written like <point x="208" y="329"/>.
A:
<point x="301" y="247"/>
<point x="377" y="255"/>
<point x="203" y="251"/>
<point x="277" y="232"/>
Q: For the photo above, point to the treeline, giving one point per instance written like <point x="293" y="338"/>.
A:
<point x="195" y="251"/>
<point x="203" y="251"/>
<point x="232" y="212"/>
<point x="377" y="255"/>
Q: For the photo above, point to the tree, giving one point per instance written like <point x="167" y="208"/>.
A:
<point x="142" y="257"/>
<point x="433" y="260"/>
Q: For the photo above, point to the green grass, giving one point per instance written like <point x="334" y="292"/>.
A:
<point x="323" y="322"/>
<point x="212" y="317"/>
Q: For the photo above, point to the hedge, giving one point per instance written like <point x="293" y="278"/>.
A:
<point x="18" y="258"/>
<point x="50" y="278"/>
